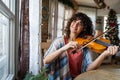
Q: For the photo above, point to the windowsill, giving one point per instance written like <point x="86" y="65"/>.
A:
<point x="10" y="77"/>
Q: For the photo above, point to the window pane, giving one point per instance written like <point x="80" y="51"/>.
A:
<point x="6" y="2"/>
<point x="60" y="27"/>
<point x="91" y="12"/>
<point x="4" y="23"/>
<point x="60" y="19"/>
<point x="10" y="4"/>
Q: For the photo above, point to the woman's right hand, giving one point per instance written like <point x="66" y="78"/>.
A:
<point x="71" y="45"/>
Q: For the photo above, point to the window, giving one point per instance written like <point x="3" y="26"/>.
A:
<point x="6" y="2"/>
<point x="91" y="12"/>
<point x="6" y="41"/>
<point x="10" y="4"/>
<point x="4" y="22"/>
<point x="53" y="19"/>
<point x="60" y="19"/>
<point x="68" y="14"/>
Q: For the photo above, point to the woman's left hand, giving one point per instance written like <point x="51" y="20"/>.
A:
<point x="111" y="50"/>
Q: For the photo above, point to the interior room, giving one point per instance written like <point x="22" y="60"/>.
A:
<point x="28" y="29"/>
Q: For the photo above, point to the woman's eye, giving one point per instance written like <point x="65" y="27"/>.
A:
<point x="80" y="24"/>
<point x="74" y="21"/>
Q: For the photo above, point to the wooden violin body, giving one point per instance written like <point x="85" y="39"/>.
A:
<point x="98" y="45"/>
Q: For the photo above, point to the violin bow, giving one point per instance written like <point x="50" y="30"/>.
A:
<point x="96" y="38"/>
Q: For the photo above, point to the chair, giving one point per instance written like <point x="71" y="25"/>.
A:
<point x="44" y="47"/>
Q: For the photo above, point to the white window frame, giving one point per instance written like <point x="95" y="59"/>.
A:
<point x="35" y="9"/>
<point x="11" y="45"/>
<point x="60" y="23"/>
<point x="53" y="19"/>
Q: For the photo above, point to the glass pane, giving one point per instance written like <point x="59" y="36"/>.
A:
<point x="10" y="4"/>
<point x="4" y="23"/>
<point x="6" y="2"/>
<point x="60" y="19"/>
<point x="60" y="10"/>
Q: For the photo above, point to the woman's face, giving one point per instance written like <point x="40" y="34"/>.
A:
<point x="76" y="27"/>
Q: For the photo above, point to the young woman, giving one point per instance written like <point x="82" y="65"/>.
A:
<point x="64" y="59"/>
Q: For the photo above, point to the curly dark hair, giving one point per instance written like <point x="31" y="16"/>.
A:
<point x="85" y="21"/>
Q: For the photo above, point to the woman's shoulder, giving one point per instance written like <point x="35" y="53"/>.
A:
<point x="59" y="41"/>
<point x="60" y="38"/>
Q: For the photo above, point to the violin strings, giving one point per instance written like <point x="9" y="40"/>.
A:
<point x="96" y="38"/>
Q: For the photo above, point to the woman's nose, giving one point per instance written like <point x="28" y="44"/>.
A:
<point x="75" y="25"/>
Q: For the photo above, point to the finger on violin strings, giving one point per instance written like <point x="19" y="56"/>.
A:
<point x="75" y="44"/>
<point x="112" y="50"/>
<point x="109" y="49"/>
<point x="115" y="49"/>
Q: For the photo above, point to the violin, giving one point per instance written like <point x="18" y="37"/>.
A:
<point x="98" y="45"/>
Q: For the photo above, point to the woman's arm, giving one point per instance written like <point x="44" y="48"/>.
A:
<point x="52" y="56"/>
<point x="112" y="50"/>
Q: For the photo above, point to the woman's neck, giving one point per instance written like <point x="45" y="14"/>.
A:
<point x="72" y="37"/>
